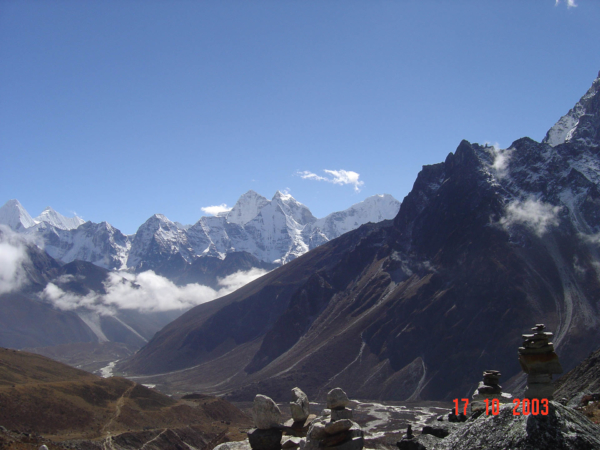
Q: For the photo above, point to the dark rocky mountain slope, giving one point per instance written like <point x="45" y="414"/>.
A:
<point x="486" y="244"/>
<point x="583" y="379"/>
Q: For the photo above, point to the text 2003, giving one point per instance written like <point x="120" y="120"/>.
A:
<point x="532" y="406"/>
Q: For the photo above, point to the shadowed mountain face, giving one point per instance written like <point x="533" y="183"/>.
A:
<point x="487" y="244"/>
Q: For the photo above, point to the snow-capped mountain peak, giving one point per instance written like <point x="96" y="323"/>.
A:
<point x="157" y="236"/>
<point x="293" y="208"/>
<point x="373" y="209"/>
<point x="581" y="123"/>
<point x="283" y="196"/>
<point x="15" y="216"/>
<point x="52" y="217"/>
<point x="246" y="208"/>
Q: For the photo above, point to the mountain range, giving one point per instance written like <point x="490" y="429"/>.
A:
<point x="62" y="286"/>
<point x="273" y="231"/>
<point x="487" y="244"/>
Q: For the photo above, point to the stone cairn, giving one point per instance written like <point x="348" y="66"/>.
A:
<point x="267" y="420"/>
<point x="339" y="432"/>
<point x="409" y="441"/>
<point x="296" y="428"/>
<point x="539" y="361"/>
<point x="488" y="389"/>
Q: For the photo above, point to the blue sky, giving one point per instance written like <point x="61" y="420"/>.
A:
<point x="117" y="110"/>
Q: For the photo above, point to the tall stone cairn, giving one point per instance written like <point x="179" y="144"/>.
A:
<point x="539" y="361"/>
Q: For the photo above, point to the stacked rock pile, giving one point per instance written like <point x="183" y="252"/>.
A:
<point x="488" y="389"/>
<point x="301" y="418"/>
<point x="409" y="442"/>
<point x="269" y="433"/>
<point x="296" y="428"/>
<point x="267" y="420"/>
<point x="539" y="361"/>
<point x="335" y="431"/>
<point x="299" y="406"/>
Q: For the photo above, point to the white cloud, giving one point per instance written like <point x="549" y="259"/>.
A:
<point x="570" y="3"/>
<point x="535" y="214"/>
<point x="591" y="238"/>
<point x="146" y="292"/>
<point x="340" y="177"/>
<point x="236" y="280"/>
<point x="13" y="255"/>
<point x="12" y="275"/>
<point x="501" y="160"/>
<point x="216" y="210"/>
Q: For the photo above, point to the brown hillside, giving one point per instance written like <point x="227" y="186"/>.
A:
<point x="56" y="402"/>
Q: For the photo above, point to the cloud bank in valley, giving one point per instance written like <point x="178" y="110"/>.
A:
<point x="146" y="292"/>
<point x="340" y="177"/>
<point x="13" y="256"/>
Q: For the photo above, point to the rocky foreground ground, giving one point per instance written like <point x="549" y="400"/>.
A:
<point x="341" y="424"/>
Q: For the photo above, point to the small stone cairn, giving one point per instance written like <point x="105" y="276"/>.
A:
<point x="299" y="406"/>
<point x="267" y="420"/>
<point x="297" y="427"/>
<point x="488" y="389"/>
<point x="539" y="361"/>
<point x="339" y="432"/>
<point x="409" y="441"/>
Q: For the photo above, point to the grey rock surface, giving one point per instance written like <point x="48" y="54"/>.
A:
<point x="338" y="426"/>
<point x="341" y="414"/>
<point x="562" y="429"/>
<point x="337" y="399"/>
<point x="291" y="442"/>
<point x="299" y="406"/>
<point x="265" y="412"/>
<point x="317" y="430"/>
<point x="239" y="445"/>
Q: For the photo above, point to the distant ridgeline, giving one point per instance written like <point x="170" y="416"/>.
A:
<point x="273" y="231"/>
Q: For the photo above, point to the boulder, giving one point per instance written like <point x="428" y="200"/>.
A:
<point x="239" y="445"/>
<point x="338" y="426"/>
<point x="341" y="414"/>
<point x="337" y="399"/>
<point x="317" y="431"/>
<point x="299" y="405"/>
<point x="265" y="439"/>
<point x="297" y="428"/>
<point x="265" y="412"/>
<point x="291" y="443"/>
<point x="439" y="432"/>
